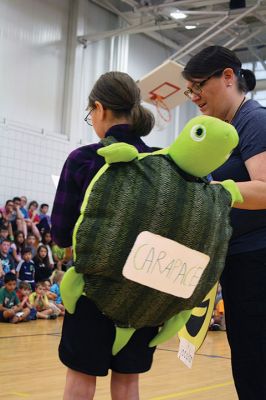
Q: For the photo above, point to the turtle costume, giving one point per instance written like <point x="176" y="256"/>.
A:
<point x="163" y="193"/>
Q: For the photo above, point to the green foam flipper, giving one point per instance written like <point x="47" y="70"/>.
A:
<point x="233" y="189"/>
<point x="171" y="327"/>
<point x="71" y="289"/>
<point x="122" y="337"/>
<point x="118" y="152"/>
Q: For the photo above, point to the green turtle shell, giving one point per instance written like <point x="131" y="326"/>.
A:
<point x="147" y="195"/>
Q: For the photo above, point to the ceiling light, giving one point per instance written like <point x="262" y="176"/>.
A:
<point x="178" y="15"/>
<point x="190" y="26"/>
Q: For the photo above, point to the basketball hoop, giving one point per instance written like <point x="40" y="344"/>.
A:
<point x="162" y="109"/>
<point x="159" y="97"/>
<point x="164" y="88"/>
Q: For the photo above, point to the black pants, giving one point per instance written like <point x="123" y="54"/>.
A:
<point x="244" y="292"/>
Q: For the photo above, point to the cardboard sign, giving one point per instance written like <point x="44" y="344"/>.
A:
<point x="186" y="352"/>
<point x="165" y="265"/>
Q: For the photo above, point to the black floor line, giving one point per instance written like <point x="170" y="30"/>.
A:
<point x="197" y="354"/>
<point x="158" y="348"/>
<point x="35" y="334"/>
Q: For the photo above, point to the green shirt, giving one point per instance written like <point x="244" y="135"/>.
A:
<point x="58" y="251"/>
<point x="8" y="299"/>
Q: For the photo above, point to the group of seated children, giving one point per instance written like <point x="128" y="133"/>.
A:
<point x="29" y="301"/>
<point x="31" y="265"/>
<point x="15" y="216"/>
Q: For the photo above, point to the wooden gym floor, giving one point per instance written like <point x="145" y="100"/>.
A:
<point x="30" y="369"/>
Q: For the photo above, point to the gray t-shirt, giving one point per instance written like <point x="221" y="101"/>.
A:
<point x="249" y="227"/>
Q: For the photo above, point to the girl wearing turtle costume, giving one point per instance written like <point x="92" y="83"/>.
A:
<point x="115" y="111"/>
<point x="125" y="193"/>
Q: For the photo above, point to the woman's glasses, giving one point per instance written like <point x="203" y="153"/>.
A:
<point x="197" y="86"/>
<point x="87" y="119"/>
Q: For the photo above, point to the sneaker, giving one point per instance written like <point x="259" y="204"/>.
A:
<point x="215" y="327"/>
<point x="52" y="316"/>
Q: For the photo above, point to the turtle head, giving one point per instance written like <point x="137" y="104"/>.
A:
<point x="204" y="144"/>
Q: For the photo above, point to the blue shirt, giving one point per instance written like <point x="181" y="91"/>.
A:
<point x="45" y="216"/>
<point x="249" y="226"/>
<point x="7" y="263"/>
<point x="26" y="271"/>
<point x="55" y="289"/>
<point x="24" y="212"/>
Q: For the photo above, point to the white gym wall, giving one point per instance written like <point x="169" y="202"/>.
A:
<point x="45" y="79"/>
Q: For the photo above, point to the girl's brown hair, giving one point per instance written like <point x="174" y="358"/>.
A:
<point x="118" y="92"/>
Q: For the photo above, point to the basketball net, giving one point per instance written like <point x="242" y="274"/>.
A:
<point x="163" y="113"/>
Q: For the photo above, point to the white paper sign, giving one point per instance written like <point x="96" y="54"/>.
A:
<point x="165" y="265"/>
<point x="186" y="352"/>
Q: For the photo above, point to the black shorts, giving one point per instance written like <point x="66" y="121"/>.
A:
<point x="87" y="340"/>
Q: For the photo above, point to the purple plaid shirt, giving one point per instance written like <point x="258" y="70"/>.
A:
<point x="79" y="169"/>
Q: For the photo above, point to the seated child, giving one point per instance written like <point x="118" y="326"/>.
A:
<point x="39" y="300"/>
<point x="11" y="309"/>
<point x="59" y="256"/>
<point x="31" y="242"/>
<point x="23" y="294"/>
<point x="26" y="268"/>
<point x="3" y="233"/>
<point x="17" y="246"/>
<point x="43" y="270"/>
<point x="6" y="260"/>
<point x="45" y="220"/>
<point x="57" y="277"/>
<point x="52" y="297"/>
<point x="2" y="219"/>
<point x="218" y="317"/>
<point x="47" y="242"/>
<point x="33" y="219"/>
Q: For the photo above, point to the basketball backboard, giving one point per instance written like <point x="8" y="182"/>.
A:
<point x="164" y="83"/>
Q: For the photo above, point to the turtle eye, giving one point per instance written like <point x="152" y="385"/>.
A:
<point x="198" y="132"/>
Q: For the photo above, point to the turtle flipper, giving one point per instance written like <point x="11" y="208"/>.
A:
<point x="118" y="152"/>
<point x="71" y="288"/>
<point x="122" y="336"/>
<point x="171" y="327"/>
<point x="233" y="189"/>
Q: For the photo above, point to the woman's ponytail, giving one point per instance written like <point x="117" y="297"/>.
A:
<point x="246" y="80"/>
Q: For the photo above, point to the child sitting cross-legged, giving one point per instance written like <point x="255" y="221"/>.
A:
<point x="6" y="260"/>
<point x="57" y="277"/>
<point x="39" y="300"/>
<point x="11" y="309"/>
<point x="52" y="297"/>
<point x="23" y="293"/>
